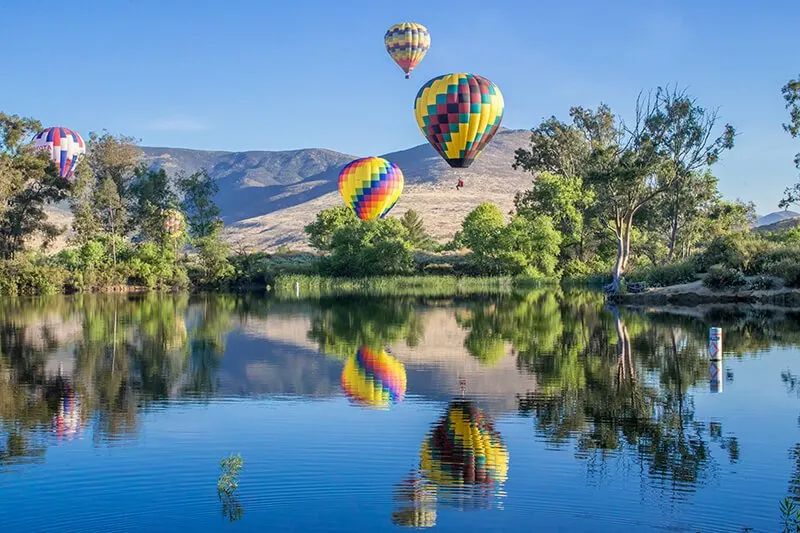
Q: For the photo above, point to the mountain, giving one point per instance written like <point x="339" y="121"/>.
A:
<point x="267" y="198"/>
<point x="772" y="218"/>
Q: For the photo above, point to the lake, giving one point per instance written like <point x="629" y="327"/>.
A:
<point x="540" y="410"/>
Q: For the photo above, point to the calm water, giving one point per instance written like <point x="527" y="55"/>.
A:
<point x="540" y="411"/>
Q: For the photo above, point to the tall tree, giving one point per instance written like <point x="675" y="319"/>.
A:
<point x="791" y="93"/>
<point x="415" y="226"/>
<point x="28" y="181"/>
<point x="681" y="133"/>
<point x="151" y="196"/>
<point x="198" y="192"/>
<point x="112" y="160"/>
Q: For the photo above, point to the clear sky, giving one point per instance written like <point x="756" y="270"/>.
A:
<point x="268" y="75"/>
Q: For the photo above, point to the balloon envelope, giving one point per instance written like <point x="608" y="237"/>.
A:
<point x="65" y="147"/>
<point x="459" y="114"/>
<point x="464" y="449"/>
<point x="407" y="43"/>
<point x="374" y="378"/>
<point x="371" y="186"/>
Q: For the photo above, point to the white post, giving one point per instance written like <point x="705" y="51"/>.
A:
<point x="715" y="344"/>
<point x="297" y="289"/>
<point x="715" y="380"/>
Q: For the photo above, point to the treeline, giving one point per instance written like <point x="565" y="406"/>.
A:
<point x="131" y="223"/>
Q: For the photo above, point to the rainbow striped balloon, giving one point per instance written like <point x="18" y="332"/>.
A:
<point x="374" y="379"/>
<point x="371" y="186"/>
<point x="65" y="147"/>
<point x="407" y="43"/>
<point x="459" y="114"/>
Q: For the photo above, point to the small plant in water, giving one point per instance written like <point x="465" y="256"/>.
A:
<point x="790" y="513"/>
<point x="228" y="480"/>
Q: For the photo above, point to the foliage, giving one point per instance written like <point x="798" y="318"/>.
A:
<point x="198" y="192"/>
<point x="723" y="277"/>
<point x="666" y="275"/>
<point x="30" y="275"/>
<point x="432" y="286"/>
<point x="375" y="247"/>
<point x="415" y="227"/>
<point x="228" y="480"/>
<point x="213" y="268"/>
<point x="152" y="195"/>
<point x="791" y="94"/>
<point x="320" y="232"/>
<point x="624" y="168"/>
<point x="790" y="514"/>
<point x="528" y="246"/>
<point x="28" y="181"/>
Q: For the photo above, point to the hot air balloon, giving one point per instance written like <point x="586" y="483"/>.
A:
<point x="459" y="114"/>
<point x="65" y="147"/>
<point x="173" y="221"/>
<point x="374" y="379"/>
<point x="371" y="186"/>
<point x="407" y="43"/>
<point x="464" y="451"/>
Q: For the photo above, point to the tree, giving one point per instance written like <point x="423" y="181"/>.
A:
<point x="198" y="192"/>
<point x="374" y="247"/>
<point x="567" y="203"/>
<point x="100" y="196"/>
<point x="529" y="246"/>
<point x="626" y="168"/>
<point x="151" y="196"/>
<point x="416" y="229"/>
<point x="680" y="131"/>
<point x="28" y="181"/>
<point x="321" y="231"/>
<point x="791" y="93"/>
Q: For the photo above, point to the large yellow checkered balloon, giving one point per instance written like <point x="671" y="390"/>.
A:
<point x="459" y="114"/>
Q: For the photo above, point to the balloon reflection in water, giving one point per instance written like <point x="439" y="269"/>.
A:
<point x="465" y="457"/>
<point x="374" y="379"/>
<point x="417" y="499"/>
<point x="67" y="417"/>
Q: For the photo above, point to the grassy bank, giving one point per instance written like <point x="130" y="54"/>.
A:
<point x="288" y="286"/>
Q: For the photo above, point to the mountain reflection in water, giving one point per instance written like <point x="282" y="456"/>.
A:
<point x="615" y="389"/>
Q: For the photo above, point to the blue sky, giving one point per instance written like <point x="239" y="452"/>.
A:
<point x="256" y="75"/>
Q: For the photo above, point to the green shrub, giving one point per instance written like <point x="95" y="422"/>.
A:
<point x="761" y="283"/>
<point x="31" y="276"/>
<point x="666" y="275"/>
<point x="788" y="269"/>
<point x="736" y="251"/>
<point x="723" y="277"/>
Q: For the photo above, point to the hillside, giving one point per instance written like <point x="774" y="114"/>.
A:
<point x="781" y="225"/>
<point x="268" y="197"/>
<point x="775" y="217"/>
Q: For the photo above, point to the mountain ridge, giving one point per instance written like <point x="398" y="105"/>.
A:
<point x="267" y="197"/>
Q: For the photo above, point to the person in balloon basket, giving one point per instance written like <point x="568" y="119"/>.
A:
<point x="459" y="185"/>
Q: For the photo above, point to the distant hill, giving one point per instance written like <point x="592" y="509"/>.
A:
<point x="781" y="225"/>
<point x="772" y="218"/>
<point x="268" y="197"/>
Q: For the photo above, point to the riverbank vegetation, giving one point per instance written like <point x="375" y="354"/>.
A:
<point x="628" y="204"/>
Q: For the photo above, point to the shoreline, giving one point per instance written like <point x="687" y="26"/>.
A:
<point x="696" y="294"/>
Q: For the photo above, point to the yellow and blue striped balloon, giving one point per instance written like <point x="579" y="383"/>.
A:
<point x="407" y="43"/>
<point x="371" y="186"/>
<point x="374" y="379"/>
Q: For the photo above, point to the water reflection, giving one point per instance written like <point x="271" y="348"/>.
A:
<point x="602" y="386"/>
<point x="464" y="457"/>
<point x="373" y="378"/>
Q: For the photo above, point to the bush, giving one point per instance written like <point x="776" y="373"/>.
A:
<point x="723" y="277"/>
<point x="736" y="251"/>
<point x="31" y="276"/>
<point x="666" y="275"/>
<point x="761" y="283"/>
<point x="788" y="269"/>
